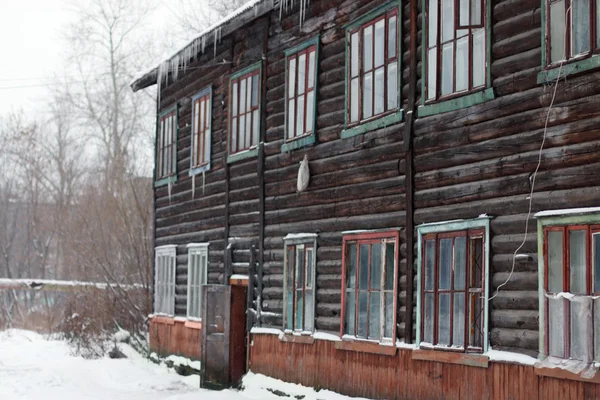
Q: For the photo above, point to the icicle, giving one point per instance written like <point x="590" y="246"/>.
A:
<point x="193" y="186"/>
<point x="215" y="34"/>
<point x="203" y="43"/>
<point x="170" y="189"/>
<point x="203" y="182"/>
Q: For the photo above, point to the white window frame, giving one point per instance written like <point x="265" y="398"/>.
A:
<point x="196" y="251"/>
<point x="300" y="241"/>
<point x="164" y="279"/>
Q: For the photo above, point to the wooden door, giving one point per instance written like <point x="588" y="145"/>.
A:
<point x="215" y="337"/>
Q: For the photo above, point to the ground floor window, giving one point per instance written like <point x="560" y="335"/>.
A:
<point x="299" y="291"/>
<point x="197" y="272"/>
<point x="370" y="271"/>
<point x="164" y="279"/>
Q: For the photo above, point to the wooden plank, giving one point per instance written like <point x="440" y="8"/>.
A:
<point x="473" y="360"/>
<point x="365" y="347"/>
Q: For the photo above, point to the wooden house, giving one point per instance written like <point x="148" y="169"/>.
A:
<point x="445" y="245"/>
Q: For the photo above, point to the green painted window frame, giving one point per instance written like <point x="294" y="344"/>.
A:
<point x="384" y="120"/>
<point x="452" y="226"/>
<point x="569" y="67"/>
<point x="468" y="99"/>
<point x="578" y="217"/>
<point x="306" y="140"/>
<point x="172" y="178"/>
<point x="252" y="151"/>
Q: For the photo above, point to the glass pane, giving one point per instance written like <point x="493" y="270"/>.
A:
<point x="581" y="27"/>
<point x="389" y="315"/>
<point x="309" y="266"/>
<point x="577" y="257"/>
<point x="597" y="23"/>
<point x="392" y="86"/>
<point x="478" y="57"/>
<point x="458" y="327"/>
<point x="460" y="259"/>
<point x="389" y="266"/>
<point x="392" y="23"/>
<point x="557" y="31"/>
<point x="596" y="306"/>
<point x="475" y="320"/>
<point x="234" y="135"/>
<point x="374" y="317"/>
<point x="462" y="64"/>
<point x="354" y="55"/>
<point x="362" y="313"/>
<point x="556" y="327"/>
<point x="368" y="48"/>
<point x="447" y="68"/>
<point x="447" y="20"/>
<point x="354" y="100"/>
<point x="309" y="311"/>
<point x="476" y="12"/>
<point x="291" y="118"/>
<point x="444" y="319"/>
<point x="299" y="310"/>
<point x="463" y="12"/>
<point x="581" y="312"/>
<point x="376" y="266"/>
<point x="379" y="90"/>
<point x="445" y="263"/>
<point x="431" y="73"/>
<point x="301" y="73"/>
<point x="292" y="77"/>
<point x="249" y="95"/>
<point x="255" y="91"/>
<point x="379" y="43"/>
<point x="351" y="266"/>
<point x="311" y="69"/>
<point x="350" y="312"/>
<point x="243" y="96"/>
<point x="555" y="262"/>
<point x="300" y="116"/>
<point x="368" y="95"/>
<point x="255" y="125"/>
<point x="429" y="264"/>
<point x="428" y="318"/>
<point x="310" y="107"/>
<point x="290" y="267"/>
<point x="234" y="101"/>
<point x="249" y="133"/>
<point x="596" y="261"/>
<point x="290" y="309"/>
<point x="242" y="133"/>
<point x="432" y="23"/>
<point x="363" y="281"/>
<point x="299" y="267"/>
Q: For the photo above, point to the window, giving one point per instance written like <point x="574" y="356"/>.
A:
<point x="164" y="280"/>
<point x="201" y="131"/>
<point x="456" y="48"/>
<point x="300" y="262"/>
<point x="301" y="84"/>
<point x="573" y="29"/>
<point x="244" y="114"/>
<point x="373" y="68"/>
<point x="197" y="272"/>
<point x="369" y="287"/>
<point x="166" y="158"/>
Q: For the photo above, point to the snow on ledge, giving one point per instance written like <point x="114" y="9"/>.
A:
<point x="567" y="211"/>
<point x="292" y="236"/>
<point x="238" y="276"/>
<point x="510" y="357"/>
<point x="266" y="331"/>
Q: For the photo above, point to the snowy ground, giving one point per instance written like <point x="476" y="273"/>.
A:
<point x="32" y="367"/>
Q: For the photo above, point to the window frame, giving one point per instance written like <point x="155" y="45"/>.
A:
<point x="295" y="240"/>
<point x="196" y="249"/>
<point x="370" y="238"/>
<point x="564" y="221"/>
<point x="463" y="99"/>
<point x="306" y="139"/>
<point x="161" y="180"/>
<point x="443" y="229"/>
<point x="161" y="287"/>
<point x="195" y="167"/>
<point x="388" y="117"/>
<point x="252" y="151"/>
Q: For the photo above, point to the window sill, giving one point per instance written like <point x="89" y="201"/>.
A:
<point x="366" y="347"/>
<point x="193" y="324"/>
<point x="569" y="68"/>
<point x="379" y="123"/>
<point x="238" y="280"/>
<point x="298" y="143"/>
<point x="449" y="357"/>
<point x="465" y="101"/>
<point x="199" y="170"/>
<point x="242" y="155"/>
<point x="574" y="370"/>
<point x="291" y="338"/>
<point x="165" y="181"/>
<point x="165" y="320"/>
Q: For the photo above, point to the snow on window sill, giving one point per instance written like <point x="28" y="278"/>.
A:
<point x="451" y="357"/>
<point x="575" y="370"/>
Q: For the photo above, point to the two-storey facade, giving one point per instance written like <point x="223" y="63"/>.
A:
<point x="399" y="194"/>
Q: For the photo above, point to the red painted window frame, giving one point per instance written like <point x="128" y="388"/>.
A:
<point x="249" y="111"/>
<point x="305" y="287"/>
<point x="590" y="229"/>
<point x="165" y="149"/>
<point x="369" y="238"/>
<point x="308" y="125"/>
<point x="361" y="73"/>
<point x="469" y="234"/>
<point x="199" y="156"/>
<point x="568" y="27"/>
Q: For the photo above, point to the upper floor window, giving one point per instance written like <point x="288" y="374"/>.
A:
<point x="197" y="273"/>
<point x="373" y="68"/>
<point x="573" y="29"/>
<point x="244" y="109"/>
<point x="201" y="131"/>
<point x="166" y="154"/>
<point x="164" y="279"/>
<point x="369" y="287"/>
<point x="300" y="265"/>
<point x="455" y="55"/>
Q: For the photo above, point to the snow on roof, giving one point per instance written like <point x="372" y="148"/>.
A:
<point x="568" y="211"/>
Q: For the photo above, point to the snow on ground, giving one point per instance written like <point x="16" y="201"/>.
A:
<point x="33" y="367"/>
